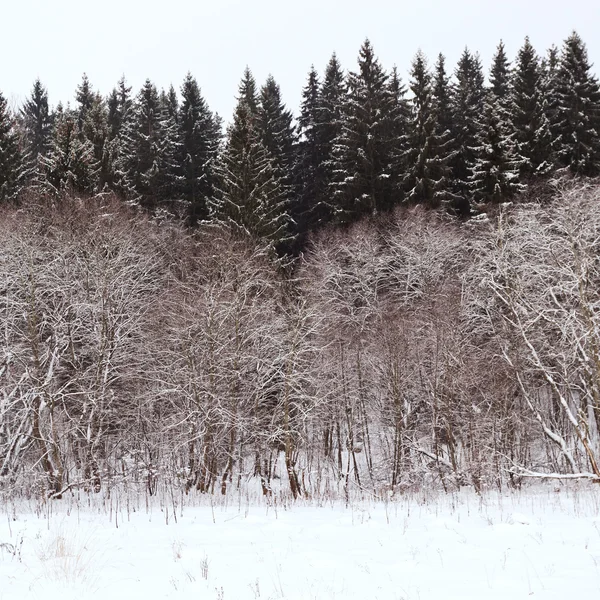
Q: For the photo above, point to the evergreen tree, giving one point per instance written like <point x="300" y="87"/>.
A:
<point x="119" y="108"/>
<point x="533" y="136"/>
<point x="443" y="149"/>
<point x="139" y="160"/>
<point x="578" y="110"/>
<point x="200" y="138"/>
<point x="495" y="171"/>
<point x="95" y="130"/>
<point x="69" y="165"/>
<point x="468" y="106"/>
<point x="332" y="98"/>
<point x="37" y="122"/>
<point x="11" y="163"/>
<point x="169" y="158"/>
<point x="37" y="128"/>
<point x="170" y="103"/>
<point x="278" y="136"/>
<point x="84" y="95"/>
<point x="500" y="76"/>
<point x="418" y="181"/>
<point x="364" y="149"/>
<point x="250" y="196"/>
<point x="398" y="131"/>
<point x="309" y="172"/>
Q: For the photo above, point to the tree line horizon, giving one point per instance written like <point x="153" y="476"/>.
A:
<point x="363" y="142"/>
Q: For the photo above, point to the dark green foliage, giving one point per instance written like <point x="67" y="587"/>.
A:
<point x="200" y="138"/>
<point x="533" y="137"/>
<point x="419" y="181"/>
<point x="495" y="170"/>
<point x="309" y="175"/>
<point x="37" y="122"/>
<point x="443" y="148"/>
<point x="278" y="136"/>
<point x="276" y="130"/>
<point x="398" y="134"/>
<point x="468" y="104"/>
<point x="143" y="166"/>
<point x="95" y="130"/>
<point x="69" y="165"/>
<point x="364" y="150"/>
<point x="84" y="95"/>
<point x="250" y="197"/>
<point x="119" y="108"/>
<point x="500" y="76"/>
<point x="332" y="98"/>
<point x="11" y="163"/>
<point x="577" y="117"/>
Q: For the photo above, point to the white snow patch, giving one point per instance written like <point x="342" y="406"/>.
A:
<point x="459" y="546"/>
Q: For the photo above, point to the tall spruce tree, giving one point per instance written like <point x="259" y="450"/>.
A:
<point x="398" y="135"/>
<point x="443" y="143"/>
<point x="139" y="161"/>
<point x="364" y="149"/>
<point x="37" y="128"/>
<point x="119" y="104"/>
<point x="533" y="136"/>
<point x="278" y="136"/>
<point x="500" y="76"/>
<point x="309" y="174"/>
<point x="84" y="95"/>
<point x="468" y="106"/>
<point x="169" y="157"/>
<point x="419" y="181"/>
<point x="95" y="130"/>
<point x="328" y="128"/>
<point x="249" y="196"/>
<point x="11" y="163"/>
<point x="577" y="118"/>
<point x="69" y="166"/>
<point x="37" y="121"/>
<point x="495" y="170"/>
<point x="200" y="138"/>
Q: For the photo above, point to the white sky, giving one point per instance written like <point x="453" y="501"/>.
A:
<point x="59" y="40"/>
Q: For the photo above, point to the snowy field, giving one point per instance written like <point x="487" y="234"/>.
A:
<point x="540" y="544"/>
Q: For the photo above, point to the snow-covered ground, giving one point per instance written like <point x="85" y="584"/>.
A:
<point x="540" y="544"/>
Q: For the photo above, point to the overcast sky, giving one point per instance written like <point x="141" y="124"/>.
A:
<point x="59" y="40"/>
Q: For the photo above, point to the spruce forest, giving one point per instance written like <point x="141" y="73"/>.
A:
<point x="396" y="288"/>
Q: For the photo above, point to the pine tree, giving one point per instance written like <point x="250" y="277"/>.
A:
<point x="169" y="156"/>
<point x="495" y="171"/>
<point x="249" y="196"/>
<point x="278" y="136"/>
<point x="309" y="175"/>
<point x="37" y="121"/>
<point x="398" y="135"/>
<point x="500" y="76"/>
<point x="11" y="163"/>
<point x="533" y="136"/>
<point x="468" y="106"/>
<point x="332" y="98"/>
<point x="200" y="137"/>
<point x="170" y="103"/>
<point x="37" y="127"/>
<point x="139" y="156"/>
<point x="119" y="108"/>
<point x="364" y="149"/>
<point x="578" y="110"/>
<point x="418" y="180"/>
<point x="443" y="148"/>
<point x="95" y="130"/>
<point x="84" y="95"/>
<point x="69" y="165"/>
